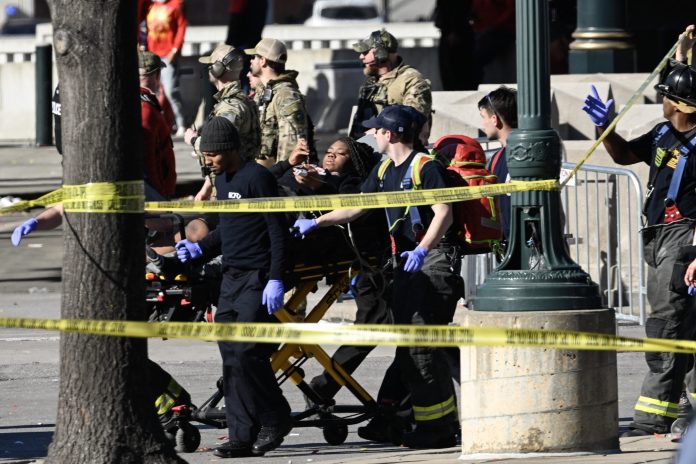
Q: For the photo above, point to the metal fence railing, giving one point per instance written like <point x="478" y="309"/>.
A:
<point x="603" y="217"/>
<point x="603" y="210"/>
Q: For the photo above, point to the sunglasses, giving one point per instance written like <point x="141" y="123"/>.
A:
<point x="490" y="103"/>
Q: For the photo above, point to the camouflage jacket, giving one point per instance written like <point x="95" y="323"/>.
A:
<point x="283" y="116"/>
<point x="234" y="104"/>
<point x="403" y="85"/>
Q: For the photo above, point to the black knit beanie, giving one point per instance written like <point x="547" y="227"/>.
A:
<point x="219" y="135"/>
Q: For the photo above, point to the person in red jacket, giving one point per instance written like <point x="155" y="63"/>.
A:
<point x="166" y="27"/>
<point x="160" y="166"/>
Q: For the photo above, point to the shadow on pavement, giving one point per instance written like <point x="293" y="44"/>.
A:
<point x="25" y="445"/>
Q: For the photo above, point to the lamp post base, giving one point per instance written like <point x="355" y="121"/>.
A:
<point x="528" y="290"/>
<point x="524" y="400"/>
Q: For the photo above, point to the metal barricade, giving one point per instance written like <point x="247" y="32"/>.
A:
<point x="602" y="208"/>
<point x="603" y="219"/>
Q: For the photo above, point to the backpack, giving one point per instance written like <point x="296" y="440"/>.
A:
<point x="479" y="227"/>
<point x="476" y="222"/>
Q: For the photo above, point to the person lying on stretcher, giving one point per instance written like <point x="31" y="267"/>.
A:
<point x="343" y="168"/>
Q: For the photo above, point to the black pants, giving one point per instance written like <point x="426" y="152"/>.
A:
<point x="370" y="291"/>
<point x="672" y="316"/>
<point x="428" y="297"/>
<point x="252" y="395"/>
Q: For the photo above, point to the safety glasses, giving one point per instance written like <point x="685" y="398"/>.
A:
<point x="490" y="103"/>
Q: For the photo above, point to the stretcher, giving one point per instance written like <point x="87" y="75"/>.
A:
<point x="327" y="254"/>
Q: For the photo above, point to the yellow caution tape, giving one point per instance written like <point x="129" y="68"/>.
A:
<point x="127" y="197"/>
<point x="95" y="197"/>
<point x="364" y="334"/>
<point x="631" y="102"/>
<point x="105" y="197"/>
<point x="49" y="199"/>
<point x="349" y="201"/>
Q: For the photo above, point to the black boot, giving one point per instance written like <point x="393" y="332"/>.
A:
<point x="270" y="437"/>
<point x="385" y="429"/>
<point x="431" y="437"/>
<point x="234" y="449"/>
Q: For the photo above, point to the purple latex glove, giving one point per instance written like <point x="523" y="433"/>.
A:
<point x="187" y="250"/>
<point x="25" y="229"/>
<point x="596" y="109"/>
<point x="303" y="227"/>
<point x="273" y="296"/>
<point x="414" y="259"/>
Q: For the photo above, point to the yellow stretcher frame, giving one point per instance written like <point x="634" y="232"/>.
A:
<point x="280" y="360"/>
<point x="333" y="419"/>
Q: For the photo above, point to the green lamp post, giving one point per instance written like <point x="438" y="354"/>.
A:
<point x="601" y="43"/>
<point x="536" y="274"/>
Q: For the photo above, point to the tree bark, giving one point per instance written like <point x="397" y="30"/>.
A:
<point x="105" y="414"/>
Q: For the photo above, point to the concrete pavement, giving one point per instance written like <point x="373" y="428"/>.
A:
<point x="28" y="399"/>
<point x="28" y="170"/>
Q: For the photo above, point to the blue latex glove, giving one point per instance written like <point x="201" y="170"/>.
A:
<point x="414" y="259"/>
<point x="303" y="227"/>
<point x="186" y="250"/>
<point x="20" y="232"/>
<point x="273" y="296"/>
<point x="596" y="109"/>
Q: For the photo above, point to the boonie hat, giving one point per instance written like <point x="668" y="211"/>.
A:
<point x="148" y="62"/>
<point x="217" y="54"/>
<point x="219" y="134"/>
<point x="377" y="39"/>
<point x="396" y="118"/>
<point x="271" y="49"/>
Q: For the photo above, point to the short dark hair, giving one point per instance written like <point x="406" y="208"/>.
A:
<point x="408" y="137"/>
<point x="275" y="66"/>
<point x="503" y="103"/>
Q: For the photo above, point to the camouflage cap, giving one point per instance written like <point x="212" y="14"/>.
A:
<point x="377" y="39"/>
<point x="148" y="63"/>
<point x="271" y="49"/>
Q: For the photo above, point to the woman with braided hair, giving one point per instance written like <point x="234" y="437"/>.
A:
<point x="344" y="166"/>
<point x="351" y="162"/>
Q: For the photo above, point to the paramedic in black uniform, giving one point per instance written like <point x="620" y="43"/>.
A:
<point x="426" y="287"/>
<point x="253" y="247"/>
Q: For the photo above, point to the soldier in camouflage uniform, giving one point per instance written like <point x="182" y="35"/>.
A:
<point x="283" y="115"/>
<point x="389" y="82"/>
<point x="224" y="66"/>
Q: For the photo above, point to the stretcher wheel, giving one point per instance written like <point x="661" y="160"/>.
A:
<point x="335" y="434"/>
<point x="187" y="438"/>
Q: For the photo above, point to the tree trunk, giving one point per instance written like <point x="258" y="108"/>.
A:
<point x="105" y="414"/>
